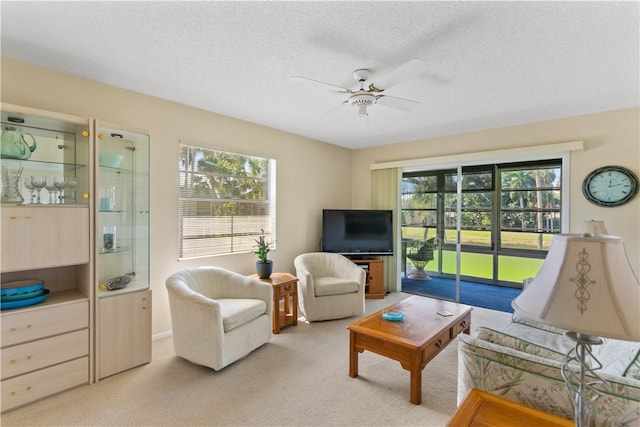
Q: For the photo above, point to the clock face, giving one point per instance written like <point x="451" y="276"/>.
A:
<point x="610" y="186"/>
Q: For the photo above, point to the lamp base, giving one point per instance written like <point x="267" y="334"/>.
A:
<point x="582" y="392"/>
<point x="583" y="338"/>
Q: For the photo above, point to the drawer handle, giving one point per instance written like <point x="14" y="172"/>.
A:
<point x="287" y="288"/>
<point x="12" y="329"/>
<point x="12" y="361"/>
<point x="463" y="325"/>
<point x="439" y="344"/>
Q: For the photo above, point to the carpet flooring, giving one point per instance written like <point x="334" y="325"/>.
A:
<point x="300" y="378"/>
<point x="471" y="293"/>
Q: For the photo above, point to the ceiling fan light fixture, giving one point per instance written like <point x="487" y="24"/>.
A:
<point x="361" y="101"/>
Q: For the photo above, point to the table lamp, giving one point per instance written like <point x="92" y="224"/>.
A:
<point x="587" y="287"/>
<point x="594" y="226"/>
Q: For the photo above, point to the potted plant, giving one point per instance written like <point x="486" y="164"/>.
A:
<point x="264" y="266"/>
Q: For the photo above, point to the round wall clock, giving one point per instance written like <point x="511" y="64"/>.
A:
<point x="610" y="186"/>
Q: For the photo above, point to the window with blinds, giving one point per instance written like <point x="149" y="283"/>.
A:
<point x="226" y="199"/>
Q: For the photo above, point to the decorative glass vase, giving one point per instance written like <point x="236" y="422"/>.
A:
<point x="11" y="185"/>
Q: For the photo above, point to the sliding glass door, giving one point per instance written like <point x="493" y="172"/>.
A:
<point x="488" y="224"/>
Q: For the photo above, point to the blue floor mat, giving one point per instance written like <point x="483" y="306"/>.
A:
<point x="471" y="293"/>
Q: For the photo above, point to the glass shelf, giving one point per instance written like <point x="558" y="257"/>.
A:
<point x="119" y="249"/>
<point x="132" y="286"/>
<point x="41" y="165"/>
<point x="122" y="204"/>
<point x="118" y="170"/>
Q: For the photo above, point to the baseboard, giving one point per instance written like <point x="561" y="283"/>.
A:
<point x="161" y="335"/>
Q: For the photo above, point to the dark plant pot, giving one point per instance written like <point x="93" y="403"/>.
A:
<point x="264" y="269"/>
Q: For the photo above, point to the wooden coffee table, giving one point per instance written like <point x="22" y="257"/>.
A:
<point x="413" y="341"/>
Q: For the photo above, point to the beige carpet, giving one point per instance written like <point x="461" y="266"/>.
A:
<point x="300" y="378"/>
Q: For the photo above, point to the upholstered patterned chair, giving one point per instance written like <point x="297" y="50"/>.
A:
<point x="218" y="316"/>
<point x="330" y="286"/>
<point x="523" y="362"/>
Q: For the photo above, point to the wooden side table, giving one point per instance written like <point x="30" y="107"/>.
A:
<point x="480" y="408"/>
<point x="284" y="287"/>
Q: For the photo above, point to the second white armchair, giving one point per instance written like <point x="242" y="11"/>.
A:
<point x="330" y="286"/>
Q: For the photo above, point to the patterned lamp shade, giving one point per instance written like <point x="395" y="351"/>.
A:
<point x="585" y="285"/>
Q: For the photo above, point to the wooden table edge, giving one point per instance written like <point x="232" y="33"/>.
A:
<point x="476" y="398"/>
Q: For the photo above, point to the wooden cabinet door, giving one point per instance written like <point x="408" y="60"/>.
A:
<point x="375" y="279"/>
<point x="42" y="237"/>
<point x="124" y="332"/>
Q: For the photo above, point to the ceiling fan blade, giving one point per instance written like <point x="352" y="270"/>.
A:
<point x="397" y="103"/>
<point x="340" y="89"/>
<point x="410" y="69"/>
<point x="336" y="108"/>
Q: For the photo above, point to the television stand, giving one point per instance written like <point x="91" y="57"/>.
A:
<point x="374" y="283"/>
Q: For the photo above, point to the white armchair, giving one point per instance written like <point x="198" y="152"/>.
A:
<point x="218" y="316"/>
<point x="330" y="286"/>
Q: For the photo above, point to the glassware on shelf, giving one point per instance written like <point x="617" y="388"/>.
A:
<point x="28" y="184"/>
<point x="107" y="199"/>
<point x="71" y="182"/>
<point x="51" y="189"/>
<point x="39" y="182"/>
<point x="109" y="239"/>
<point x="11" y="185"/>
<point x="58" y="182"/>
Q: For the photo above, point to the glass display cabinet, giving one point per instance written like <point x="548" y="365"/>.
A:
<point x="122" y="249"/>
<point x="47" y="292"/>
<point x="45" y="160"/>
<point x="75" y="296"/>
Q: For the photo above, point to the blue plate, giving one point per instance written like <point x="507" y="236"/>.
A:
<point x="395" y="316"/>
<point x="24" y="302"/>
<point x="5" y="298"/>
<point x="21" y="287"/>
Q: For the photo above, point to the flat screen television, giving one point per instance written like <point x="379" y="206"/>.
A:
<point x="357" y="232"/>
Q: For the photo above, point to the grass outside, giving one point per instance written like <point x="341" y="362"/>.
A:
<point x="510" y="268"/>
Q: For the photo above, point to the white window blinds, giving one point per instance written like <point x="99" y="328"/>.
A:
<point x="225" y="200"/>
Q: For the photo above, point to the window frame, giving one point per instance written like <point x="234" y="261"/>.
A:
<point x="540" y="164"/>
<point x="205" y="233"/>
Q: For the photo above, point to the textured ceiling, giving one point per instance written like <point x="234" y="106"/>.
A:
<point x="489" y="64"/>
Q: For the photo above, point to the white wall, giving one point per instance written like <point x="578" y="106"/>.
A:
<point x="304" y="187"/>
<point x="610" y="138"/>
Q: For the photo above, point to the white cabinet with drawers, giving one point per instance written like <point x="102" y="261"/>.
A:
<point x="41" y="356"/>
<point x="46" y="235"/>
<point x="75" y="215"/>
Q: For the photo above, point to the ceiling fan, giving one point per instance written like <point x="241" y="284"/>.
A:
<point x="370" y="93"/>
